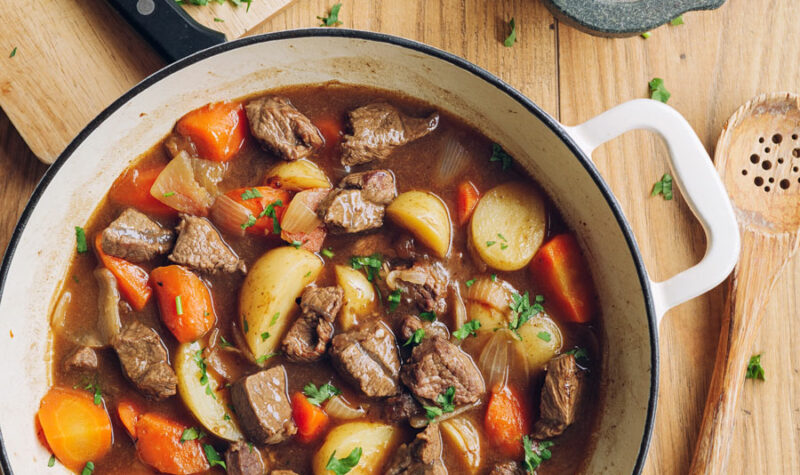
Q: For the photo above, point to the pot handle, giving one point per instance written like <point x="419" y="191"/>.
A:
<point x="695" y="176"/>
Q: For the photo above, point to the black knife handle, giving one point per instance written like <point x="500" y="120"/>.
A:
<point x="168" y="29"/>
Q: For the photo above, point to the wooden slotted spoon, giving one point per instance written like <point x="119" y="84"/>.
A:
<point x="758" y="159"/>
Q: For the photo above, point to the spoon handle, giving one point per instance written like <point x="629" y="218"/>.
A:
<point x="763" y="257"/>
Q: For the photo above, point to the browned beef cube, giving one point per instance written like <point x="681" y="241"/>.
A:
<point x="400" y="408"/>
<point x="135" y="237"/>
<point x="424" y="283"/>
<point x="200" y="246"/>
<point x="263" y="407"/>
<point x="359" y="202"/>
<point x="244" y="459"/>
<point x="507" y="468"/>
<point x="308" y="338"/>
<point x="379" y="128"/>
<point x="367" y="357"/>
<point x="423" y="456"/>
<point x="82" y="358"/>
<point x="280" y="127"/>
<point x="410" y="324"/>
<point x="144" y="360"/>
<point x="283" y="472"/>
<point x="558" y="406"/>
<point x="435" y="365"/>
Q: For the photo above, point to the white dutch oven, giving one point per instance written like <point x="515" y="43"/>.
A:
<point x="555" y="155"/>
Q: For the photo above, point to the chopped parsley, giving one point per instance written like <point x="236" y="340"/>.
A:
<point x="663" y="187"/>
<point x="168" y="194"/>
<point x="646" y="34"/>
<point x="467" y="329"/>
<point x="327" y="253"/>
<point x="251" y="220"/>
<point x="269" y="212"/>
<point x="416" y="338"/>
<point x="52" y="460"/>
<point x="494" y="277"/>
<point x="226" y="417"/>
<point x="504" y="244"/>
<point x="191" y="433"/>
<point x="275" y="318"/>
<point x="219" y="20"/>
<point x="429" y="316"/>
<point x="512" y="37"/>
<point x="342" y="466"/>
<point x="213" y="456"/>
<point x="264" y="336"/>
<point x="251" y="194"/>
<point x="205" y="2"/>
<point x="203" y="366"/>
<point x="332" y="20"/>
<point x="308" y="274"/>
<point x="246" y="325"/>
<point x="500" y="155"/>
<point x="88" y="468"/>
<point x="394" y="299"/>
<point x="13" y="52"/>
<point x="94" y="388"/>
<point x="318" y="395"/>
<point x="80" y="239"/>
<point x="372" y="264"/>
<point x="580" y="354"/>
<point x="535" y="453"/>
<point x="445" y="402"/>
<point x="296" y="244"/>
<point x="657" y="90"/>
<point x="544" y="336"/>
<point x="469" y="282"/>
<point x="677" y="21"/>
<point x="522" y="310"/>
<point x="490" y="243"/>
<point x="261" y="359"/>
<point x="178" y="305"/>
<point x="754" y="368"/>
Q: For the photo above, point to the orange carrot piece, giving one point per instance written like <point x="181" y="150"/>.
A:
<point x="506" y="421"/>
<point x="269" y="195"/>
<point x="133" y="189"/>
<point x="77" y="430"/>
<point x="467" y="200"/>
<point x="132" y="279"/>
<point x="184" y="301"/>
<point x="562" y="275"/>
<point x="218" y="130"/>
<point x="159" y="445"/>
<point x="332" y="129"/>
<point x="310" y="419"/>
<point x="129" y="415"/>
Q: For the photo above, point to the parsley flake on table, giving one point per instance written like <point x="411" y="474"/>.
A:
<point x="416" y="338"/>
<point x="467" y="329"/>
<point x="191" y="433"/>
<point x="394" y="299"/>
<point x="646" y="34"/>
<point x="213" y="456"/>
<point x="754" y="368"/>
<point x="251" y="194"/>
<point x="663" y="187"/>
<point x="13" y="52"/>
<point x="677" y="21"/>
<point x="500" y="155"/>
<point x="535" y="453"/>
<point x="342" y="466"/>
<point x="333" y="17"/>
<point x="52" y="460"/>
<point x="318" y="395"/>
<point x="80" y="240"/>
<point x="512" y="36"/>
<point x="657" y="90"/>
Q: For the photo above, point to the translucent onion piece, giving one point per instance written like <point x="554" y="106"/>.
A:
<point x="420" y="421"/>
<point x="301" y="215"/>
<point x="339" y="408"/>
<point x="79" y="336"/>
<point x="454" y="159"/>
<point x="177" y="187"/>
<point x="465" y="438"/>
<point x="229" y="215"/>
<point x="488" y="292"/>
<point x="412" y="276"/>
<point x="108" y="320"/>
<point x="209" y="173"/>
<point x="459" y="309"/>
<point x="495" y="359"/>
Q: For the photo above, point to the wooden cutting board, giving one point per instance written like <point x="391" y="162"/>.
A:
<point x="74" y="57"/>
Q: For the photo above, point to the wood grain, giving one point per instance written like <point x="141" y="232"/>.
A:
<point x="712" y="64"/>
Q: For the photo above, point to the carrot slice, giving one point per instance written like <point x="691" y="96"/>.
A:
<point x="506" y="421"/>
<point x="256" y="201"/>
<point x="563" y="278"/>
<point x="467" y="200"/>
<point x="184" y="301"/>
<point x="128" y="414"/>
<point x="332" y="129"/>
<point x="132" y="279"/>
<point x="133" y="189"/>
<point x="159" y="445"/>
<point x="77" y="430"/>
<point x="310" y="419"/>
<point x="218" y="130"/>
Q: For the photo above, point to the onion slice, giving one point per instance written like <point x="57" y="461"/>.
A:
<point x="301" y="214"/>
<point x="229" y="215"/>
<point x="490" y="293"/>
<point x="339" y="408"/>
<point x="459" y="309"/>
<point x="500" y="357"/>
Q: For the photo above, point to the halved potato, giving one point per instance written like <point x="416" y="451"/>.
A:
<point x="465" y="439"/>
<point x="267" y="299"/>
<point x="536" y="347"/>
<point x="299" y="175"/>
<point x="359" y="296"/>
<point x="508" y="225"/>
<point x="374" y="439"/>
<point x="425" y="216"/>
<point x="490" y="318"/>
<point x="210" y="408"/>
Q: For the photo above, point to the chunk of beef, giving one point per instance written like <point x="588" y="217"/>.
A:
<point x="410" y="324"/>
<point x="359" y="202"/>
<point x="144" y="360"/>
<point x="379" y="128"/>
<point x="200" y="246"/>
<point x="558" y="406"/>
<point x="243" y="459"/>
<point x="283" y="472"/>
<point x="423" y="456"/>
<point x="367" y="357"/>
<point x="435" y="365"/>
<point x="261" y="402"/>
<point x="400" y="408"/>
<point x="308" y="338"/>
<point x="81" y="358"/>
<point x="135" y="237"/>
<point x="424" y="283"/>
<point x="277" y="125"/>
<point x="507" y="468"/>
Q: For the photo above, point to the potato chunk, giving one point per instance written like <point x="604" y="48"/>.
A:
<point x="374" y="439"/>
<point x="298" y="175"/>
<point x="508" y="225"/>
<point x="425" y="216"/>
<point x="541" y="341"/>
<point x="359" y="296"/>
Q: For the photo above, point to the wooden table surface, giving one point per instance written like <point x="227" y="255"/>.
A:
<point x="711" y="64"/>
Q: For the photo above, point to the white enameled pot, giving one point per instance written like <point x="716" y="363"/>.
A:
<point x="555" y="155"/>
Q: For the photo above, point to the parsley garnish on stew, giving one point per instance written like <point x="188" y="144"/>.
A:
<point x="429" y="316"/>
<point x="342" y="466"/>
<point x="467" y="329"/>
<point x="657" y="90"/>
<point x="663" y="187"/>
<point x="535" y="453"/>
<point x="264" y="358"/>
<point x="469" y="282"/>
<point x="251" y="193"/>
<point x="95" y="389"/>
<point x="269" y="212"/>
<point x="522" y="310"/>
<point x="178" y="305"/>
<point x="88" y="468"/>
<point x="371" y="264"/>
<point x="275" y="318"/>
<point x="544" y="336"/>
<point x="445" y="401"/>
<point x="754" y="368"/>
<point x="264" y="336"/>
<point x="394" y="299"/>
<point x="580" y="354"/>
<point x="213" y="456"/>
<point x="512" y="37"/>
<point x="500" y="155"/>
<point x="80" y="239"/>
<point x="327" y="253"/>
<point x="416" y="338"/>
<point x="168" y="194"/>
<point x="251" y="220"/>
<point x="191" y="433"/>
<point x="296" y="244"/>
<point x="333" y="17"/>
<point x="317" y="396"/>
